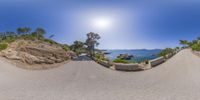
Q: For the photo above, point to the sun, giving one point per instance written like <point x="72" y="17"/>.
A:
<point x="102" y="23"/>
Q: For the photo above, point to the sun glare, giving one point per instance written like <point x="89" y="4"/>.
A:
<point x="102" y="23"/>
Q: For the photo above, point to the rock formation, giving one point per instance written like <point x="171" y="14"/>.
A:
<point x="36" y="52"/>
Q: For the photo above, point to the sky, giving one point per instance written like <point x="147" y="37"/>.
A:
<point x="122" y="24"/>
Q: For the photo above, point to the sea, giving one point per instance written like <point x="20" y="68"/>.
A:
<point x="139" y="54"/>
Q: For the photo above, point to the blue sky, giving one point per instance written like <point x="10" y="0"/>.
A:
<point x="133" y="24"/>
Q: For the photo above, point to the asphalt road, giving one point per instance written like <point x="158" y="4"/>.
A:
<point x="176" y="79"/>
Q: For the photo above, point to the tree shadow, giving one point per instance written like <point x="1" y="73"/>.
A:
<point x="82" y="58"/>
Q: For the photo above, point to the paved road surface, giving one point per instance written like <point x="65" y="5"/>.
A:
<point x="176" y="79"/>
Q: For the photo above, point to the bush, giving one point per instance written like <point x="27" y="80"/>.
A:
<point x="101" y="57"/>
<point x="98" y="56"/>
<point x="3" y="46"/>
<point x="65" y="47"/>
<point x="166" y="51"/>
<point x="50" y="41"/>
<point x="9" y="39"/>
<point x="195" y="47"/>
<point x="118" y="60"/>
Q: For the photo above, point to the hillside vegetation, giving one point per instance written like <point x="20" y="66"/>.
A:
<point x="194" y="44"/>
<point x="31" y="47"/>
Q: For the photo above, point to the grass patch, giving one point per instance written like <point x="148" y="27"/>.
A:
<point x="3" y="46"/>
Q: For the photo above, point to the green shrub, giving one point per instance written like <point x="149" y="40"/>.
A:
<point x="195" y="47"/>
<point x="101" y="57"/>
<point x="166" y="51"/>
<point x="65" y="47"/>
<point x="98" y="56"/>
<point x="49" y="41"/>
<point x="9" y="39"/>
<point x="118" y="60"/>
<point x="27" y="37"/>
<point x="3" y="46"/>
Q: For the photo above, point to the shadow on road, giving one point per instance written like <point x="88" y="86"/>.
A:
<point x="82" y="58"/>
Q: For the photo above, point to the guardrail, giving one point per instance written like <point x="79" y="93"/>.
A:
<point x="127" y="67"/>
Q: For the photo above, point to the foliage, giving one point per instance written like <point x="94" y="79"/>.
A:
<point x="118" y="60"/>
<point x="101" y="57"/>
<point x="40" y="33"/>
<point x="49" y="41"/>
<point x="194" y="44"/>
<point x="184" y="42"/>
<point x="91" y="42"/>
<point x="22" y="33"/>
<point x="198" y="38"/>
<point x="25" y="33"/>
<point x="23" y="30"/>
<point x="196" y="47"/>
<point x="166" y="51"/>
<point x="66" y="47"/>
<point x="98" y="56"/>
<point x="9" y="39"/>
<point x="3" y="46"/>
<point x="78" y="47"/>
<point x="177" y="48"/>
<point x="27" y="37"/>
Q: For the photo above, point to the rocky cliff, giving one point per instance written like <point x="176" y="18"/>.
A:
<point x="36" y="52"/>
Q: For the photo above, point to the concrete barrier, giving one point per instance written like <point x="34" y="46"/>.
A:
<point x="127" y="67"/>
<point x="156" y="61"/>
<point x="105" y="63"/>
<point x="169" y="55"/>
<point x="95" y="59"/>
<point x="101" y="62"/>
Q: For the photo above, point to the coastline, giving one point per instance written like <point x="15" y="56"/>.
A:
<point x="139" y="54"/>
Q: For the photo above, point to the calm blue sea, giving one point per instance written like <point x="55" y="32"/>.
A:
<point x="139" y="54"/>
